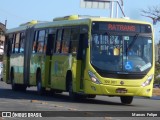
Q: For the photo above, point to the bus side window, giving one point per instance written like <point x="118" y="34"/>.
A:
<point x="16" y="49"/>
<point x="8" y="44"/>
<point x="58" y="41"/>
<point x="13" y="43"/>
<point x="45" y="42"/>
<point x="50" y="44"/>
<point x="50" y="41"/>
<point x="66" y="40"/>
<point x="34" y="48"/>
<point x="41" y="39"/>
<point x="22" y="38"/>
<point x="74" y="40"/>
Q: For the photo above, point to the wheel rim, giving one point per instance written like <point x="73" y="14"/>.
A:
<point x="70" y="88"/>
<point x="12" y="80"/>
<point x="39" y="86"/>
<point x="71" y="94"/>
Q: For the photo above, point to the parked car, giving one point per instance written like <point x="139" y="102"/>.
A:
<point x="1" y="50"/>
<point x="156" y="85"/>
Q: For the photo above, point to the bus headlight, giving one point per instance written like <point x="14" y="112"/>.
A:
<point x="148" y="81"/>
<point x="93" y="78"/>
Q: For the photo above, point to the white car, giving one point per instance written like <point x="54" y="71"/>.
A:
<point x="1" y="50"/>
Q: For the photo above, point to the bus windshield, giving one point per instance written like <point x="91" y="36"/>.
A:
<point x="121" y="52"/>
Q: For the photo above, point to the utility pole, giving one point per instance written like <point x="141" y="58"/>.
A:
<point x="5" y="23"/>
<point x="118" y="3"/>
<point x="112" y="9"/>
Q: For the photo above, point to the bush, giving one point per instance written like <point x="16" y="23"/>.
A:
<point x="157" y="74"/>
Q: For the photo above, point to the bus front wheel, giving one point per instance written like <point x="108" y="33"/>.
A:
<point x="91" y="96"/>
<point x="126" y="99"/>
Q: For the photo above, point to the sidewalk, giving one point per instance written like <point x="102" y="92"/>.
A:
<point x="156" y="94"/>
<point x="155" y="97"/>
<point x="156" y="91"/>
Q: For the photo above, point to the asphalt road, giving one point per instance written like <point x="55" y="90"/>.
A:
<point x="31" y="101"/>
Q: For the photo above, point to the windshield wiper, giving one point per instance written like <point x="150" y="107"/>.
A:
<point x="133" y="41"/>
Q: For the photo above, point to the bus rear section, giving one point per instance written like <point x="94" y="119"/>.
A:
<point x="120" y="60"/>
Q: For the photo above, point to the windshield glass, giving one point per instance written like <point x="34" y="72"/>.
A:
<point x="119" y="52"/>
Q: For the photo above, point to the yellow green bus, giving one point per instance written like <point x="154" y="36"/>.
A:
<point x="85" y="56"/>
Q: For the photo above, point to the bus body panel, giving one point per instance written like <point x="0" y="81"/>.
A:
<point x="60" y="66"/>
<point x="76" y="75"/>
<point x="108" y="90"/>
<point x="47" y="71"/>
<point x="6" y="65"/>
<point x="37" y="61"/>
<point x="17" y="63"/>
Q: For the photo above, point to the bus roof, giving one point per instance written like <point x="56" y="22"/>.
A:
<point x="72" y="20"/>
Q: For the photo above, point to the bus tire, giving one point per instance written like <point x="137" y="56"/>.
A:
<point x="59" y="91"/>
<point x="16" y="87"/>
<point x="40" y="89"/>
<point x="13" y="84"/>
<point x="72" y="95"/>
<point x="22" y="88"/>
<point x="91" y="96"/>
<point x="126" y="99"/>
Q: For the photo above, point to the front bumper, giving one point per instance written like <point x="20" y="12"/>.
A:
<point x="111" y="90"/>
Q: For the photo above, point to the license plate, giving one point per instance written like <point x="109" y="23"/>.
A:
<point x="121" y="90"/>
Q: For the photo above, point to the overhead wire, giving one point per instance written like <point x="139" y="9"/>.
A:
<point x="12" y="14"/>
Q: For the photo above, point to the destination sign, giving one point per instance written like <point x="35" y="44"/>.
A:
<point x="121" y="27"/>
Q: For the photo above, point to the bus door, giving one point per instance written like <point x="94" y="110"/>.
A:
<point x="81" y="57"/>
<point x="49" y="53"/>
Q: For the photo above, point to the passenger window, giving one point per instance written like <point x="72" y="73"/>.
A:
<point x="21" y="50"/>
<point x="41" y="39"/>
<point x="58" y="41"/>
<point x="74" y="40"/>
<point x="7" y="44"/>
<point x="66" y="40"/>
<point x="12" y="43"/>
<point x="16" y="49"/>
<point x="34" y="49"/>
<point x="45" y="41"/>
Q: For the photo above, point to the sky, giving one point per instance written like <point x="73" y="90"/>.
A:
<point x="20" y="11"/>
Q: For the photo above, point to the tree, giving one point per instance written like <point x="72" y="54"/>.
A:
<point x="153" y="13"/>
